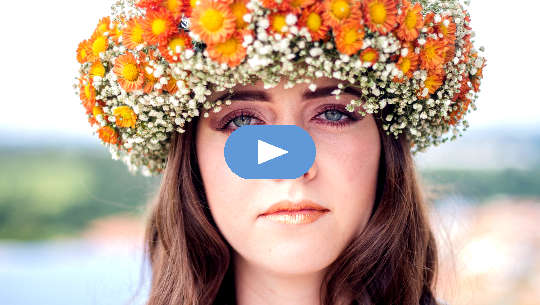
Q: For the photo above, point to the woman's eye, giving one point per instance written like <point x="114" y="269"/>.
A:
<point x="335" y="118"/>
<point x="332" y="117"/>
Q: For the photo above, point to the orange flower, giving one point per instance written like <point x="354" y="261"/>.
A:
<point x="158" y="26"/>
<point x="98" y="44"/>
<point x="239" y="9"/>
<point x="177" y="44"/>
<point x="447" y="28"/>
<point x="380" y="15"/>
<point x="231" y="52"/>
<point x="349" y="38"/>
<point x="175" y="7"/>
<point x="408" y="64"/>
<point x="213" y="21"/>
<point x="461" y="108"/>
<point x="133" y="34"/>
<point x="339" y="12"/>
<point x="433" y="82"/>
<point x="449" y="52"/>
<point x="283" y="5"/>
<point x="116" y="32"/>
<point x="108" y="135"/>
<point x="97" y="110"/>
<point x="125" y="116"/>
<point x="188" y="7"/>
<point x="87" y="93"/>
<point x="148" y="4"/>
<point x="171" y="86"/>
<point x="312" y="19"/>
<point x="369" y="55"/>
<point x="83" y="51"/>
<point x="297" y="6"/>
<point x="432" y="54"/>
<point x="129" y="73"/>
<point x="97" y="69"/>
<point x="149" y="79"/>
<point x="410" y="21"/>
<point x="463" y="90"/>
<point x="103" y="26"/>
<point x="277" y="22"/>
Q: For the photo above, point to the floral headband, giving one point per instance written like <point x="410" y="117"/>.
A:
<point x="150" y="69"/>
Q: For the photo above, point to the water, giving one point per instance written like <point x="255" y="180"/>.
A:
<point x="75" y="272"/>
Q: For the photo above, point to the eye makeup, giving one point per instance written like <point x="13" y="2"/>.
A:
<point x="319" y="118"/>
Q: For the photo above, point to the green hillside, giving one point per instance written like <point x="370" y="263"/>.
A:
<point x="46" y="192"/>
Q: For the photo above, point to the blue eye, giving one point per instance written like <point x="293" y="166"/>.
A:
<point x="331" y="115"/>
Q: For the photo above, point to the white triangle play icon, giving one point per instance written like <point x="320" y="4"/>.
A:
<point x="266" y="152"/>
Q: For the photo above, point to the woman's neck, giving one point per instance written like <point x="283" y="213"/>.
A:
<point x="256" y="285"/>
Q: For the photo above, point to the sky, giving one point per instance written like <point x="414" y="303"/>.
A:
<point x="39" y="40"/>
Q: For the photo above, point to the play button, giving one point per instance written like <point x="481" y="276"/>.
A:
<point x="269" y="151"/>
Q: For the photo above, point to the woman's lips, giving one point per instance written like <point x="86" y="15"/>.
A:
<point x="295" y="217"/>
<point x="288" y="212"/>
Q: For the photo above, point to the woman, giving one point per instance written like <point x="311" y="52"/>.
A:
<point x="375" y="245"/>
<point x="369" y="80"/>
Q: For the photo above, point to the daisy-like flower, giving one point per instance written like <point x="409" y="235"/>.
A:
<point x="312" y="19"/>
<point x="129" y="72"/>
<point x="83" y="51"/>
<point x="456" y="115"/>
<point x="133" y="33"/>
<point x="280" y="5"/>
<point x="103" y="25"/>
<point x="349" y="38"/>
<point x="410" y="21"/>
<point x="149" y="79"/>
<point x="370" y="55"/>
<point x="98" y="44"/>
<point x="177" y="44"/>
<point x="116" y="31"/>
<point x="108" y="135"/>
<point x="408" y="65"/>
<point x="339" y="12"/>
<point x="213" y="21"/>
<point x="433" y="82"/>
<point x="158" y="26"/>
<point x="148" y="4"/>
<point x="432" y="54"/>
<point x="171" y="86"/>
<point x="447" y="28"/>
<point x="278" y="22"/>
<point x="97" y="110"/>
<point x="297" y="6"/>
<point x="188" y="7"/>
<point x="449" y="52"/>
<point x="97" y="69"/>
<point x="380" y="15"/>
<point x="231" y="51"/>
<point x="87" y="93"/>
<point x="175" y="7"/>
<point x="239" y="9"/>
<point x="125" y="116"/>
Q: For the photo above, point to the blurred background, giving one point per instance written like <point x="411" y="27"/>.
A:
<point x="71" y="220"/>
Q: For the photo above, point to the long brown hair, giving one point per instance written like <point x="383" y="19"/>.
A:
<point x="393" y="261"/>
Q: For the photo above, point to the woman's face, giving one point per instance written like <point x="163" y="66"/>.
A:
<point x="343" y="176"/>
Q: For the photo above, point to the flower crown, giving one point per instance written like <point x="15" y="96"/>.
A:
<point x="148" y="70"/>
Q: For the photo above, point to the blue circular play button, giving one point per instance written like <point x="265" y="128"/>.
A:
<point x="270" y="151"/>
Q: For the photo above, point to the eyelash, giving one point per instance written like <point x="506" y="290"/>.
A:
<point x="336" y="124"/>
